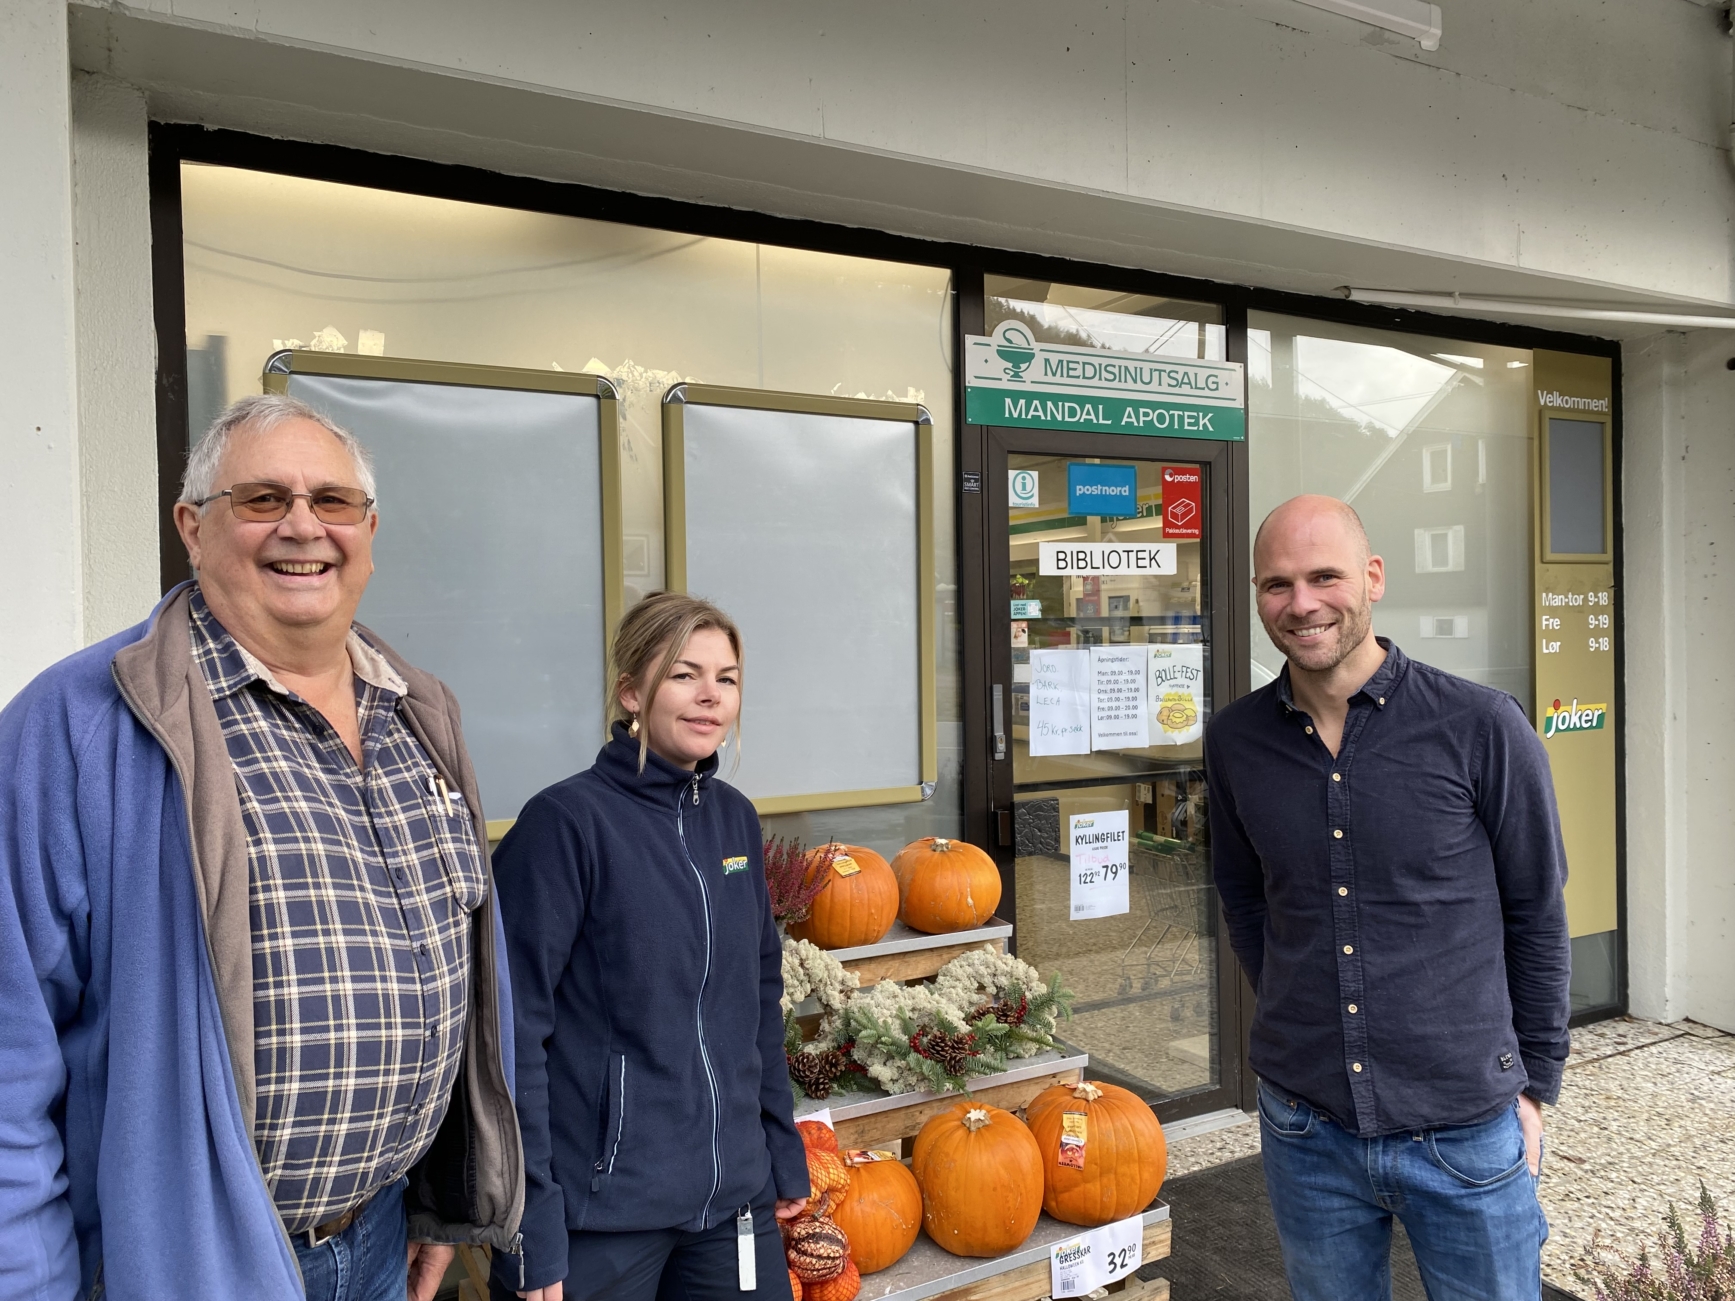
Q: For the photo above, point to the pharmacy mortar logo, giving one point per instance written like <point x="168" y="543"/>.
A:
<point x="1572" y="718"/>
<point x="1014" y="345"/>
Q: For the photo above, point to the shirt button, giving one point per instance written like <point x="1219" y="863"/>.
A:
<point x="1308" y="730"/>
<point x="1337" y="776"/>
<point x="1356" y="1067"/>
<point x="1349" y="948"/>
<point x="1337" y="835"/>
<point x="1343" y="889"/>
<point x="1382" y="701"/>
<point x="1352" y="1009"/>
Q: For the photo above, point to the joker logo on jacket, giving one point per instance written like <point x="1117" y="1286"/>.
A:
<point x="734" y="865"/>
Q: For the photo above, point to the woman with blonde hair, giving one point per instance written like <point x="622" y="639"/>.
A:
<point x="660" y="1146"/>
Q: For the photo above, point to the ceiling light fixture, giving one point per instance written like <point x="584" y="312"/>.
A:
<point x="1561" y="311"/>
<point x="1412" y="18"/>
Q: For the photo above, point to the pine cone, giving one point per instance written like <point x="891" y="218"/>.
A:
<point x="1005" y="1012"/>
<point x="814" y="1072"/>
<point x="951" y="1052"/>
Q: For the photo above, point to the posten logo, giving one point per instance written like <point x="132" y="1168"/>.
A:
<point x="1572" y="718"/>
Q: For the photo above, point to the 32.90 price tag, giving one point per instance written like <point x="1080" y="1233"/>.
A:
<point x="1080" y="1265"/>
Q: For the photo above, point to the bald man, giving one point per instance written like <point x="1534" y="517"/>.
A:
<point x="1386" y="847"/>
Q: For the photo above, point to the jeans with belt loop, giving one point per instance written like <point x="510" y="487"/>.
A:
<point x="1464" y="1193"/>
<point x="368" y="1261"/>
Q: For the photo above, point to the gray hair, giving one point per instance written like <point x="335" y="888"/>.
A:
<point x="260" y="414"/>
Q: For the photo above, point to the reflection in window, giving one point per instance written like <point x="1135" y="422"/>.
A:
<point x="1107" y="318"/>
<point x="1429" y="440"/>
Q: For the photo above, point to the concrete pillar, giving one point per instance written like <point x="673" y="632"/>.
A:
<point x="40" y="601"/>
<point x="116" y="353"/>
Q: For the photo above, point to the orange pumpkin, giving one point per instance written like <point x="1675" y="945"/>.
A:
<point x="816" y="1135"/>
<point x="859" y="902"/>
<point x="1104" y="1164"/>
<point x="795" y="1287"/>
<point x="980" y="1173"/>
<point x="883" y="1213"/>
<point x="945" y="885"/>
<point x="829" y="1178"/>
<point x="842" y="1288"/>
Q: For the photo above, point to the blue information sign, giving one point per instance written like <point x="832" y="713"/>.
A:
<point x="1102" y="489"/>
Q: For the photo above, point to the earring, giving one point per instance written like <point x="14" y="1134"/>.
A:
<point x="633" y="730"/>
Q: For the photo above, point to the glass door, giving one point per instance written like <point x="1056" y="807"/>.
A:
<point x="1105" y="637"/>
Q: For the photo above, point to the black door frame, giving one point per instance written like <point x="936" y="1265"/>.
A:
<point x="1226" y="616"/>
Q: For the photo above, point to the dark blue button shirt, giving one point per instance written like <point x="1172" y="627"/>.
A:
<point x="1398" y="908"/>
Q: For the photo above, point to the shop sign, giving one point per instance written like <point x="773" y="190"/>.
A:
<point x="1011" y="379"/>
<point x="1183" y="503"/>
<point x="1102" y="489"/>
<point x="1067" y="558"/>
<point x="1021" y="490"/>
<point x="1572" y="718"/>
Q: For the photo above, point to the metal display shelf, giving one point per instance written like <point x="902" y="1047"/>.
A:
<point x="927" y="1271"/>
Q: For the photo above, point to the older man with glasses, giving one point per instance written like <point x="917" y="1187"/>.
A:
<point x="253" y="1014"/>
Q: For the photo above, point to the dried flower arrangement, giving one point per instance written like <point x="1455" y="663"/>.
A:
<point x="1680" y="1273"/>
<point x="983" y="1008"/>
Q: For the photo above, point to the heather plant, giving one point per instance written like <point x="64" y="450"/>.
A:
<point x="1682" y="1271"/>
<point x="793" y="880"/>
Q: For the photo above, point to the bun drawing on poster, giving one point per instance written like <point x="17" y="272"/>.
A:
<point x="1175" y="688"/>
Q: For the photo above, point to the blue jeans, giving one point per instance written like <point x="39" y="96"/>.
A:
<point x="369" y="1261"/>
<point x="1464" y="1193"/>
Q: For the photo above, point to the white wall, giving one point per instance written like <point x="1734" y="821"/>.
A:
<point x="1546" y="145"/>
<point x="1679" y="592"/>
<point x="41" y="614"/>
<point x="116" y="342"/>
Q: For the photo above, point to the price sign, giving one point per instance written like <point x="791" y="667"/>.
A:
<point x="1100" y="871"/>
<point x="1077" y="1266"/>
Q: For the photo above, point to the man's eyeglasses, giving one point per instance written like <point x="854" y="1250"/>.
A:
<point x="268" y="502"/>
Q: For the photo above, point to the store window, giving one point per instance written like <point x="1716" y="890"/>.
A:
<point x="278" y="262"/>
<point x="1429" y="439"/>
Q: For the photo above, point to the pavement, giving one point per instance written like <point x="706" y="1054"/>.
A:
<point x="1646" y="1112"/>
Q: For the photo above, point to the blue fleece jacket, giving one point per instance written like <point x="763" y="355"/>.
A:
<point x="121" y="1137"/>
<point x="646" y="978"/>
<point x="125" y="1159"/>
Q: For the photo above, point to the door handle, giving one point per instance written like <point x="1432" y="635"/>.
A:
<point x="999" y="721"/>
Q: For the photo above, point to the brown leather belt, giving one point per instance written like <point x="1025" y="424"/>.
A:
<point x="331" y="1228"/>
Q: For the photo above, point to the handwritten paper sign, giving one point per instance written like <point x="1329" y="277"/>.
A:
<point x="1175" y="688"/>
<point x="1097" y="850"/>
<point x="1059" y="702"/>
<point x="1078" y="1266"/>
<point x="1118" y="718"/>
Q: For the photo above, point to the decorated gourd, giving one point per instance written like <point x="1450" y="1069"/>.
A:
<point x="883" y="1213"/>
<point x="945" y="885"/>
<point x="829" y="1178"/>
<point x="795" y="1288"/>
<point x="817" y="1250"/>
<point x="1103" y="1152"/>
<point x="818" y="1135"/>
<point x="842" y="1288"/>
<point x="980" y="1173"/>
<point x="859" y="902"/>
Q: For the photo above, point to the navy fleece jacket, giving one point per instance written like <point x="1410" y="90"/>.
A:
<point x="646" y="976"/>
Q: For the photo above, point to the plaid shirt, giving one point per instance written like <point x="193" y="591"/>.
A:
<point x="361" y="885"/>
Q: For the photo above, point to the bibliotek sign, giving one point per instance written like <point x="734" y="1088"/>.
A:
<point x="1011" y="379"/>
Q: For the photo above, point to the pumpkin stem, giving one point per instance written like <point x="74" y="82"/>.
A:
<point x="975" y="1119"/>
<point x="1085" y="1091"/>
<point x="942" y="845"/>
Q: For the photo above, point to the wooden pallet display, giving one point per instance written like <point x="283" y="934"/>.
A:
<point x="906" y="954"/>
